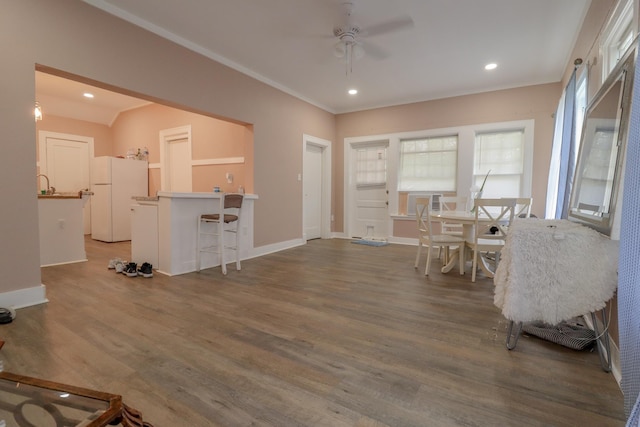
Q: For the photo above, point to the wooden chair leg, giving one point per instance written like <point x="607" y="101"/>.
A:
<point x="426" y="268"/>
<point x="223" y="263"/>
<point x="474" y="266"/>
<point x="418" y="254"/>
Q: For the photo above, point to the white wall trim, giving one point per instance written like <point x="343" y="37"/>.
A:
<point x="274" y="248"/>
<point x="220" y="161"/>
<point x="22" y="298"/>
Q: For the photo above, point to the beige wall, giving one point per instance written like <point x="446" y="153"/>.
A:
<point x="77" y="39"/>
<point x="587" y="43"/>
<point x="212" y="139"/>
<point x="532" y="102"/>
<point x="102" y="135"/>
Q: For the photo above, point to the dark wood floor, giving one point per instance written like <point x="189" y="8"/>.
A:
<point x="328" y="334"/>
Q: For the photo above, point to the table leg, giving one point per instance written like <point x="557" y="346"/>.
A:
<point x="453" y="257"/>
<point x="484" y="266"/>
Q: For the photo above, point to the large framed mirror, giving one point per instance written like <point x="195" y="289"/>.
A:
<point x="598" y="170"/>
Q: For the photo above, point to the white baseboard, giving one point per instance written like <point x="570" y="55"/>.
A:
<point x="22" y="298"/>
<point x="276" y="247"/>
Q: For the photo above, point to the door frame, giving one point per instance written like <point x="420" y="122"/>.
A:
<point x="325" y="202"/>
<point x="166" y="136"/>
<point x="42" y="146"/>
<point x="350" y="144"/>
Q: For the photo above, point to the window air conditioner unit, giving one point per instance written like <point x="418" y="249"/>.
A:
<point x="411" y="202"/>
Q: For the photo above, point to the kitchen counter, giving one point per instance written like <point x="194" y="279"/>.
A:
<point x="60" y="224"/>
<point x="65" y="195"/>
<point x="146" y="198"/>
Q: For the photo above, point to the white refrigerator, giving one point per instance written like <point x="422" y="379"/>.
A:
<point x="114" y="182"/>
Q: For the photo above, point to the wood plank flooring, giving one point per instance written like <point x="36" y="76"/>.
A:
<point x="328" y="334"/>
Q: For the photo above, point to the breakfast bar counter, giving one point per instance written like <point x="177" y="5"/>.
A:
<point x="177" y="216"/>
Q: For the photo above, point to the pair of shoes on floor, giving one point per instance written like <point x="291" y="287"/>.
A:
<point x="113" y="262"/>
<point x="131" y="269"/>
<point x="120" y="266"/>
<point x="145" y="270"/>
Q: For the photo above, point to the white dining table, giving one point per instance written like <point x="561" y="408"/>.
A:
<point x="468" y="221"/>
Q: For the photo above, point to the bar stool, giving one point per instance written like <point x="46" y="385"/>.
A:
<point x="230" y="207"/>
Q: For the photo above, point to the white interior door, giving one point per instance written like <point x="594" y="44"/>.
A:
<point x="179" y="166"/>
<point x="312" y="189"/>
<point x="65" y="160"/>
<point x="316" y="188"/>
<point x="175" y="158"/>
<point x="369" y="202"/>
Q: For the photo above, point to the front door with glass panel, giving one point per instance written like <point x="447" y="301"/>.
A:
<point x="369" y="187"/>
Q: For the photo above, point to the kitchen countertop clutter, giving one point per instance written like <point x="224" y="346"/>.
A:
<point x="66" y="195"/>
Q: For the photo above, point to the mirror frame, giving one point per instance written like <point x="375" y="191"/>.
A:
<point x="624" y="72"/>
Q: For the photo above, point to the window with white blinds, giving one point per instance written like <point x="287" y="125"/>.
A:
<point x="617" y="37"/>
<point x="428" y="164"/>
<point x="371" y="166"/>
<point x="499" y="154"/>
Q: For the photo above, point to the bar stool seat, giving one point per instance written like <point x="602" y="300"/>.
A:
<point x="230" y="207"/>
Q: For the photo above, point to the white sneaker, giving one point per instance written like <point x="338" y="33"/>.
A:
<point x="119" y="266"/>
<point x="112" y="263"/>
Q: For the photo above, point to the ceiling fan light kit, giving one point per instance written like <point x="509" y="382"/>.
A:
<point x="349" y="48"/>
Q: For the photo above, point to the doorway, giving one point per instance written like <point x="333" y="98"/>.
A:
<point x="65" y="160"/>
<point x="367" y="196"/>
<point x="175" y="159"/>
<point x="316" y="188"/>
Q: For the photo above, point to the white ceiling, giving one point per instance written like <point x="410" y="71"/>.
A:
<point x="290" y="44"/>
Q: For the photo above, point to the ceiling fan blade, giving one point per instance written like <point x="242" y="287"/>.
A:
<point x="398" y="24"/>
<point x="374" y="51"/>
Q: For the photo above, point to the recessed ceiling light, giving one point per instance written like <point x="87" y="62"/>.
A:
<point x="491" y="66"/>
<point x="353" y="91"/>
<point x="87" y="95"/>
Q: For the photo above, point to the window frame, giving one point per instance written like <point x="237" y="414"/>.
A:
<point x="466" y="138"/>
<point x="485" y="171"/>
<point x="617" y="37"/>
<point x="427" y="153"/>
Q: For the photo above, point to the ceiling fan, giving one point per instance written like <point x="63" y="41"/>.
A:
<point x="350" y="47"/>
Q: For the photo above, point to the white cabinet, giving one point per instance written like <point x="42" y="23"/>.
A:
<point x="61" y="230"/>
<point x="144" y="234"/>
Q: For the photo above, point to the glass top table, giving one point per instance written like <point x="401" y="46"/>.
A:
<point x="32" y="402"/>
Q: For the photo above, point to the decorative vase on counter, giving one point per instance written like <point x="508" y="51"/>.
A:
<point x="472" y="199"/>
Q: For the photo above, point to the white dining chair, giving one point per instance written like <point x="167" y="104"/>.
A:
<point x="429" y="240"/>
<point x="492" y="220"/>
<point x="523" y="207"/>
<point x="451" y="203"/>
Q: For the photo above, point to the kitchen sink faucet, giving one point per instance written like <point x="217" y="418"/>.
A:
<point x="50" y="190"/>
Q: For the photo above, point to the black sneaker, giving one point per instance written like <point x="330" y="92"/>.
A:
<point x="131" y="269"/>
<point x="145" y="270"/>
